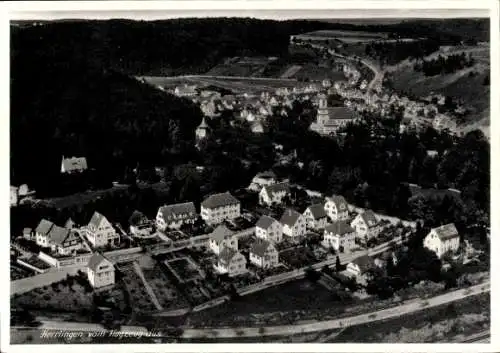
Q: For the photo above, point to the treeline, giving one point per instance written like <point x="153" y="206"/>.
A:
<point x="389" y="53"/>
<point x="444" y="65"/>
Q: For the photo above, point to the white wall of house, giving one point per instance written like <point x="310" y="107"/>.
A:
<point x="298" y="229"/>
<point x="217" y="246"/>
<point x="104" y="276"/>
<point x="266" y="198"/>
<point x="313" y="223"/>
<point x="273" y="234"/>
<point x="335" y="214"/>
<point x="218" y="215"/>
<point x="236" y="266"/>
<point x="347" y="241"/>
<point x="434" y="243"/>
<point x="271" y="261"/>
<point x="363" y="231"/>
<point x="102" y="235"/>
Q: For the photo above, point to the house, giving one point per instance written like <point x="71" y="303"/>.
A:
<point x="262" y="179"/>
<point x="269" y="229"/>
<point x="21" y="193"/>
<point x="73" y="165"/>
<point x="263" y="254"/>
<point x="139" y="224"/>
<point x="202" y="131"/>
<point x="28" y="233"/>
<point x="340" y="236"/>
<point x="100" y="231"/>
<point x="42" y="233"/>
<point x="336" y="208"/>
<point x="443" y="239"/>
<point x="257" y="127"/>
<point x="219" y="207"/>
<point x="330" y="119"/>
<point x="64" y="241"/>
<point x="176" y="215"/>
<point x="366" y="225"/>
<point x="316" y="217"/>
<point x="222" y="237"/>
<point x="274" y="193"/>
<point x="13" y="196"/>
<point x="185" y="91"/>
<point x="231" y="261"/>
<point x="360" y="267"/>
<point x="294" y="223"/>
<point x="100" y="271"/>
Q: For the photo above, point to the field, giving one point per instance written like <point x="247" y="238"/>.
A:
<point x="183" y="269"/>
<point x="139" y="298"/>
<point x="431" y="325"/>
<point x="344" y="36"/>
<point x="317" y="73"/>
<point x="246" y="67"/>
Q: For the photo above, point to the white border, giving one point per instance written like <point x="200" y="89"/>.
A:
<point x="282" y="9"/>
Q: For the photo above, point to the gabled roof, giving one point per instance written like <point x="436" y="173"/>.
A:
<point x="265" y="222"/>
<point x="259" y="247"/>
<point x="364" y="263"/>
<point x="227" y="254"/>
<point x="69" y="223"/>
<point x="220" y="233"/>
<point x="446" y="232"/>
<point x="369" y="218"/>
<point x="58" y="234"/>
<point x="339" y="201"/>
<point x="27" y="230"/>
<point x="317" y="211"/>
<point x="339" y="227"/>
<point x="95" y="260"/>
<point x="220" y="200"/>
<point x="290" y="217"/>
<point x="266" y="175"/>
<point x="178" y="210"/>
<point x="137" y="218"/>
<point x="277" y="188"/>
<point x="96" y="219"/>
<point x="203" y="124"/>
<point x="44" y="227"/>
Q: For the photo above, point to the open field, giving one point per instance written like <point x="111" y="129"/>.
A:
<point x="425" y="326"/>
<point x="343" y="35"/>
<point x="251" y="67"/>
<point x="317" y="73"/>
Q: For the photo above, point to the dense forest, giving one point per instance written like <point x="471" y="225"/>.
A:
<point x="444" y="65"/>
<point x="389" y="53"/>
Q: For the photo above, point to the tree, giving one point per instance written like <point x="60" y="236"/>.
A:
<point x="338" y="266"/>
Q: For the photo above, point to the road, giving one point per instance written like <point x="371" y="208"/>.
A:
<point x="406" y="308"/>
<point x="52" y="275"/>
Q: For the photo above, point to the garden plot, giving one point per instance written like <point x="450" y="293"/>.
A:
<point x="184" y="269"/>
<point x="139" y="297"/>
<point x="297" y="257"/>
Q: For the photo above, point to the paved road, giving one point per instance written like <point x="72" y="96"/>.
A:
<point x="406" y="308"/>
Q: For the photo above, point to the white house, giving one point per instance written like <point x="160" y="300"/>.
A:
<point x="443" y="239"/>
<point x="222" y="237"/>
<point x="60" y="240"/>
<point x="316" y="216"/>
<point x="340" y="236"/>
<point x="220" y="207"/>
<point x="100" y="271"/>
<point x="176" y="215"/>
<point x="185" y="91"/>
<point x="269" y="229"/>
<point x="231" y="261"/>
<point x="336" y="208"/>
<point x="360" y="267"/>
<point x="100" y="231"/>
<point x="294" y="223"/>
<point x="273" y="194"/>
<point x="262" y="179"/>
<point x="73" y="165"/>
<point x="42" y="233"/>
<point x="263" y="254"/>
<point x="366" y="225"/>
<point x="139" y="224"/>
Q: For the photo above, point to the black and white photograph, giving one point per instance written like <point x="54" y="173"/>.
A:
<point x="250" y="175"/>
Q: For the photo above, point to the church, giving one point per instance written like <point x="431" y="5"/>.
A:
<point x="331" y="119"/>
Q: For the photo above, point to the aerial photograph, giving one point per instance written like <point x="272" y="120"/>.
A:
<point x="246" y="179"/>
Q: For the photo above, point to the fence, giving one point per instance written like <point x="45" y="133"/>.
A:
<point x="78" y="260"/>
<point x="211" y="303"/>
<point x="123" y="255"/>
<point x="31" y="267"/>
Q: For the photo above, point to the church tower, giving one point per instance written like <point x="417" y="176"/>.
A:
<point x="322" y="117"/>
<point x="202" y="131"/>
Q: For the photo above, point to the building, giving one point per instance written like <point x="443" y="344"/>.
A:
<point x="21" y="193"/>
<point x="443" y="239"/>
<point x="202" y="131"/>
<point x="262" y="179"/>
<point x="70" y="224"/>
<point x="100" y="232"/>
<point x="139" y="224"/>
<point x="360" y="267"/>
<point x="73" y="165"/>
<point x="185" y="91"/>
<point x="316" y="216"/>
<point x="222" y="237"/>
<point x="367" y="225"/>
<point x="274" y="193"/>
<point x="269" y="229"/>
<point x="64" y="241"/>
<point x="257" y="127"/>
<point x="340" y="236"/>
<point x="231" y="261"/>
<point x="100" y="271"/>
<point x="220" y="207"/>
<point x="294" y="223"/>
<point x="42" y="233"/>
<point x="336" y="208"/>
<point x="263" y="254"/>
<point x="176" y="215"/>
<point x="330" y="119"/>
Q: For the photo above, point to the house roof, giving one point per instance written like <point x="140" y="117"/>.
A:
<point x="339" y="227"/>
<point x="95" y="260"/>
<point x="137" y="218"/>
<point x="203" y="124"/>
<point x="339" y="201"/>
<point x="265" y="222"/>
<point x="58" y="234"/>
<point x="27" y="231"/>
<point x="259" y="247"/>
<point x="44" y="226"/>
<point x="317" y="211"/>
<point x="175" y="211"/>
<point x="446" y="232"/>
<point x="220" y="200"/>
<point x="276" y="188"/>
<point x="221" y="232"/>
<point x="69" y="223"/>
<point x="96" y="219"/>
<point x="266" y="175"/>
<point x="364" y="263"/>
<point x="227" y="254"/>
<point x="369" y="218"/>
<point x="340" y="113"/>
<point x="290" y="217"/>
<point x="74" y="163"/>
